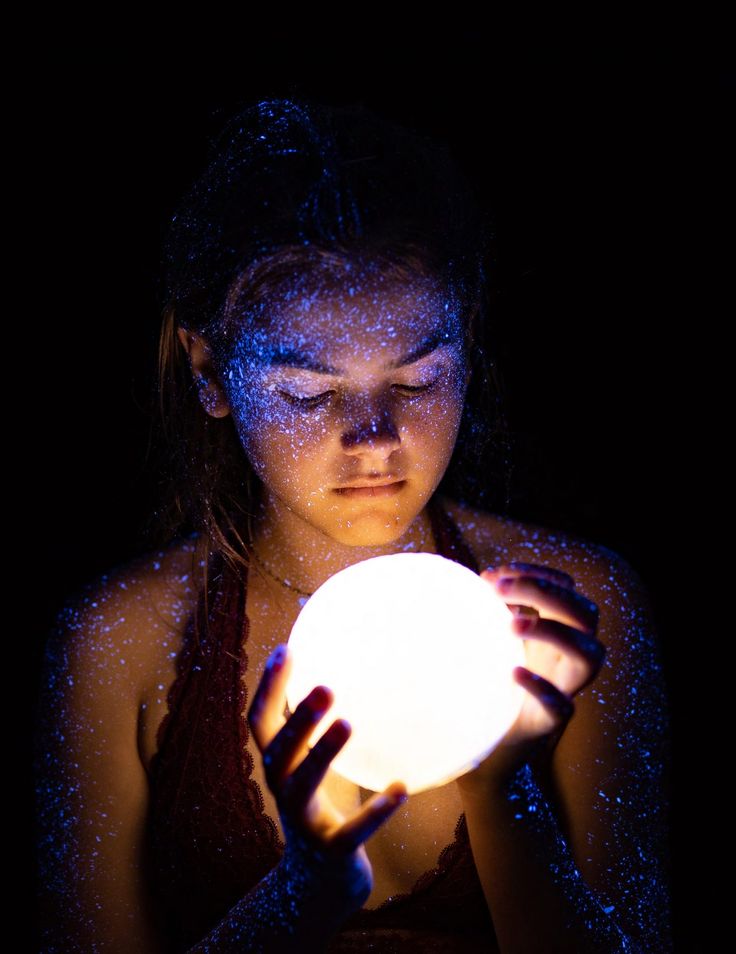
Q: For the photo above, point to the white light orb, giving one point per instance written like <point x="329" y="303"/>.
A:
<point x="418" y="651"/>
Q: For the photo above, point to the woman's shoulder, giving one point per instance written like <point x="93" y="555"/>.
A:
<point x="498" y="539"/>
<point x="161" y="578"/>
<point x="137" y="607"/>
<point x="484" y="532"/>
<point x="600" y="573"/>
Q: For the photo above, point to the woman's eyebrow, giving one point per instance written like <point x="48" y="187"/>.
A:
<point x="284" y="355"/>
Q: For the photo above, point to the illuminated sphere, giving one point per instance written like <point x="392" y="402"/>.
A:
<point x="418" y="651"/>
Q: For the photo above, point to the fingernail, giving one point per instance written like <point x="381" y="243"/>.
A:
<point x="319" y="701"/>
<point x="277" y="657"/>
<point x="392" y="801"/>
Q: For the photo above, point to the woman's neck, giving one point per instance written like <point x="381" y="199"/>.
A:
<point x="303" y="555"/>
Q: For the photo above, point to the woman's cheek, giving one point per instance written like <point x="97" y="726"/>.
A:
<point x="267" y="425"/>
<point x="441" y="408"/>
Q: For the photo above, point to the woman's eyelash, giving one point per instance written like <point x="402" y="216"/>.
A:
<point x="320" y="399"/>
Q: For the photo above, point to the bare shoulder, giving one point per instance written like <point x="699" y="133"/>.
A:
<point x="628" y="624"/>
<point x="497" y="539"/>
<point x="128" y="616"/>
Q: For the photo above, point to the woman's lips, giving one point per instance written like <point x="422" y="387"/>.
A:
<point x="387" y="490"/>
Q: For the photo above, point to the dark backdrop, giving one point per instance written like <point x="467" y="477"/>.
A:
<point x="597" y="164"/>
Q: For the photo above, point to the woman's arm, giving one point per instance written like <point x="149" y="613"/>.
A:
<point x="285" y="913"/>
<point x="92" y="803"/>
<point x="571" y="849"/>
<point x="91" y="787"/>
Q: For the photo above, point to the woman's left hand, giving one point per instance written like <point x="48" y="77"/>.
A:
<point x="558" y="626"/>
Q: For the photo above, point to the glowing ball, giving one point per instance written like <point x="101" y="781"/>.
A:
<point x="418" y="651"/>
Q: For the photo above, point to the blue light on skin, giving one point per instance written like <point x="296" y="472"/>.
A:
<point x="307" y="431"/>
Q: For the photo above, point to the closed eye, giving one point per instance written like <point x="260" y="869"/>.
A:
<point x="409" y="392"/>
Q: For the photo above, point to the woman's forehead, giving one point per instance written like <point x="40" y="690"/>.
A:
<point x="386" y="315"/>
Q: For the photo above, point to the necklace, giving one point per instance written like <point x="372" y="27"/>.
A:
<point x="303" y="595"/>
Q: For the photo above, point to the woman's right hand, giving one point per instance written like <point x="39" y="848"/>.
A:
<point x="327" y="846"/>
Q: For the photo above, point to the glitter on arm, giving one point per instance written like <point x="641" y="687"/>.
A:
<point x="580" y="831"/>
<point x="609" y="767"/>
<point x="90" y="784"/>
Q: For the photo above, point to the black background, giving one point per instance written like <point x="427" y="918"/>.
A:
<point x="604" y="166"/>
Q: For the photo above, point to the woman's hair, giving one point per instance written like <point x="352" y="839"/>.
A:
<point x="293" y="190"/>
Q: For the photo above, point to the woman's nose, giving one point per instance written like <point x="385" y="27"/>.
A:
<point x="376" y="432"/>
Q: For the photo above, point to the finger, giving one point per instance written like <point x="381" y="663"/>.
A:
<point x="299" y="787"/>
<point x="588" y="650"/>
<point x="565" y="605"/>
<point x="556" y="703"/>
<point x="369" y="817"/>
<point x="289" y="743"/>
<point x="517" y="566"/>
<point x="265" y="713"/>
<point x="521" y="611"/>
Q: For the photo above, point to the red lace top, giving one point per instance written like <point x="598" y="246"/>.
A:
<point x="209" y="838"/>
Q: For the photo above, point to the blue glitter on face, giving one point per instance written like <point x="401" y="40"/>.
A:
<point x="330" y="381"/>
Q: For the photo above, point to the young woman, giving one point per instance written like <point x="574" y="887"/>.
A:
<point x="327" y="398"/>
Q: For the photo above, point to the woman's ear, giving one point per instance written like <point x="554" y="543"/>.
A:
<point x="211" y="395"/>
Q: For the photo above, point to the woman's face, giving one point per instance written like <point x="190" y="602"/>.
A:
<point x="365" y="380"/>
